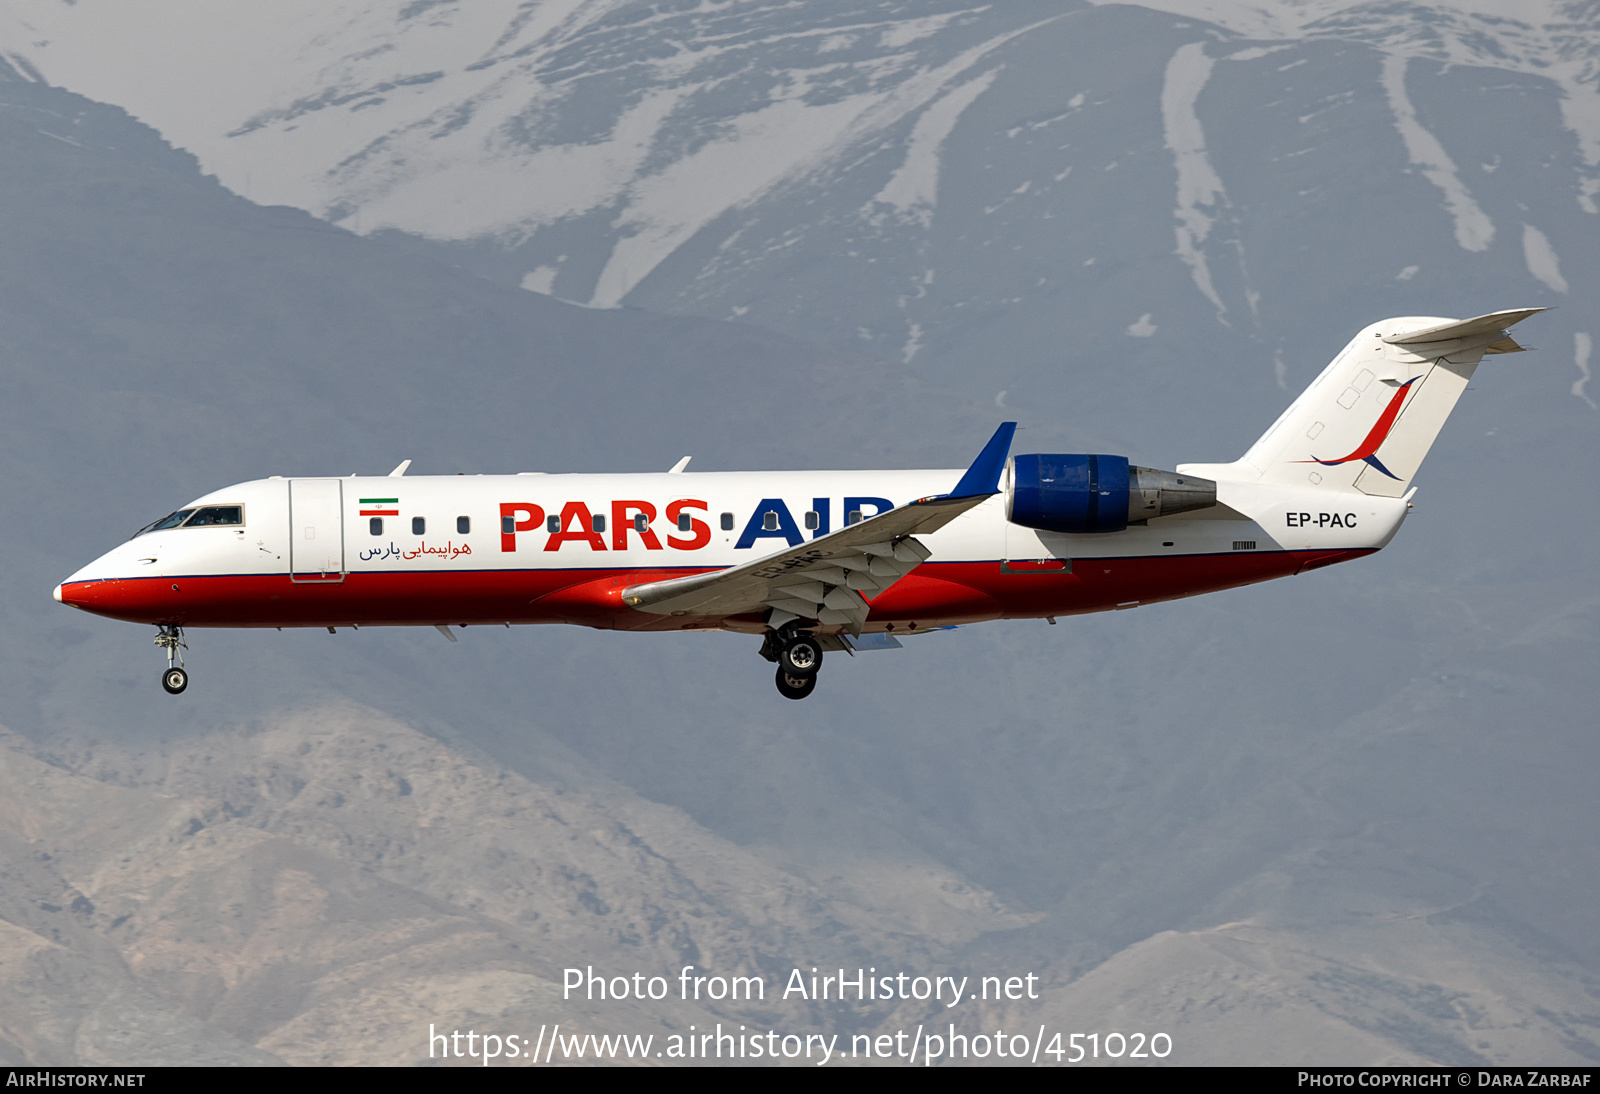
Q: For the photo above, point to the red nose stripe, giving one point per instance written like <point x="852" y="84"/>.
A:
<point x="134" y="600"/>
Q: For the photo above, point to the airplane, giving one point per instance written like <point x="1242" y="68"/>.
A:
<point x="811" y="562"/>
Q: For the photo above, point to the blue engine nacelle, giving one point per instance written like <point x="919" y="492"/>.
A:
<point x="1091" y="493"/>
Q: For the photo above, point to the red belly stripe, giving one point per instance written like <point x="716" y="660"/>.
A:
<point x="935" y="594"/>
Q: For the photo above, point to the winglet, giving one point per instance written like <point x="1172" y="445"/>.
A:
<point x="983" y="477"/>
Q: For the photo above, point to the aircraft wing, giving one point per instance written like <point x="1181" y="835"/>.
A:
<point x="821" y="580"/>
<point x="825" y="578"/>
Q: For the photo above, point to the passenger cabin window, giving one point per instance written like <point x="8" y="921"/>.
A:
<point x="508" y="525"/>
<point x="853" y="517"/>
<point x="599" y="522"/>
<point x="769" y="521"/>
<point x="727" y="522"/>
<point x="640" y="524"/>
<point x="216" y="515"/>
<point x="463" y="526"/>
<point x="552" y="525"/>
<point x="812" y="520"/>
<point x="683" y="522"/>
<point x="419" y="526"/>
<point x="375" y="526"/>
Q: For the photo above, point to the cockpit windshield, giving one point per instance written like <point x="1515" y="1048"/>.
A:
<point x="170" y="521"/>
<point x="203" y="517"/>
<point x="216" y="514"/>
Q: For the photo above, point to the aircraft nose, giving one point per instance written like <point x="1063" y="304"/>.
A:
<point x="91" y="589"/>
<point x="136" y="601"/>
<point x="74" y="594"/>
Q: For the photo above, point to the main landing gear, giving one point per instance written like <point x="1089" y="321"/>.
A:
<point x="170" y="638"/>
<point x="796" y="687"/>
<point x="799" y="656"/>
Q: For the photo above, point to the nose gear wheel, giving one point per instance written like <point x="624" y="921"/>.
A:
<point x="170" y="638"/>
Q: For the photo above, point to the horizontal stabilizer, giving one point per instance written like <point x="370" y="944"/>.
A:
<point x="1468" y="328"/>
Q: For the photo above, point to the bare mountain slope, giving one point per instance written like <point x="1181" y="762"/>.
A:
<point x="325" y="886"/>
<point x="1413" y="989"/>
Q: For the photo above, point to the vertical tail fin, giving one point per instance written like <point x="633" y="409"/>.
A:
<point x="1370" y="418"/>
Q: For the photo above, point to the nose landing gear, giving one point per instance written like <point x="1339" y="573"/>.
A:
<point x="170" y="638"/>
<point x="798" y="656"/>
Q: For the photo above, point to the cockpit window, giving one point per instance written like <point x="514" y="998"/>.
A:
<point x="172" y="520"/>
<point x="216" y="514"/>
<point x="203" y="517"/>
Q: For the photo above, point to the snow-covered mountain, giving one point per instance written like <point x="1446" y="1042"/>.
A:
<point x="989" y="191"/>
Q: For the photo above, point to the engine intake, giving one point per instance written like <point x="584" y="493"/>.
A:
<point x="1094" y="493"/>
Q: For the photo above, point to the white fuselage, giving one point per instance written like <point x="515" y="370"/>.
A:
<point x="440" y="542"/>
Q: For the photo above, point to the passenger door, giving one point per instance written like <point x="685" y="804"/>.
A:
<point x="316" y="530"/>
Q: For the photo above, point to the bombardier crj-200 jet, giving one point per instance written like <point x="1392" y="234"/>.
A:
<point x="809" y="561"/>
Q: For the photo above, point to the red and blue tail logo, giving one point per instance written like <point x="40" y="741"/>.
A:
<point x="1367" y="449"/>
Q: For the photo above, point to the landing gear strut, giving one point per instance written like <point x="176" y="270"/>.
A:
<point x="798" y="656"/>
<point x="170" y="638"/>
